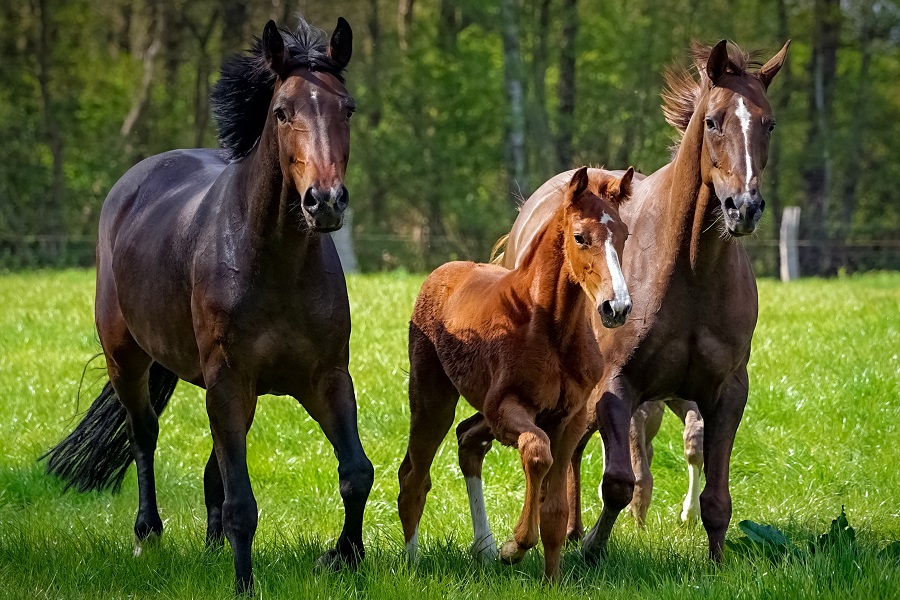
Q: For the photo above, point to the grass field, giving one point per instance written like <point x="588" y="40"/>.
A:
<point x="821" y="430"/>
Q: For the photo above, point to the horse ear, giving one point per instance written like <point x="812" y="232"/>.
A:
<point x="273" y="47"/>
<point x="341" y="47"/>
<point x="717" y="63"/>
<point x="624" y="191"/>
<point x="769" y="70"/>
<point x="578" y="183"/>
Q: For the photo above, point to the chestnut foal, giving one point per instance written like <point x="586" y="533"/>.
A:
<point x="519" y="346"/>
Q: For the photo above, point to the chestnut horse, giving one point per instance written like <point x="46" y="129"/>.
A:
<point x="694" y="290"/>
<point x="214" y="267"/>
<point x="519" y="346"/>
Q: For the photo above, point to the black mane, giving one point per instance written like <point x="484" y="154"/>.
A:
<point x="240" y="99"/>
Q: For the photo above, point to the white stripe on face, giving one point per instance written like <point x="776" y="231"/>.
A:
<point x="321" y="130"/>
<point x="622" y="298"/>
<point x="744" y="115"/>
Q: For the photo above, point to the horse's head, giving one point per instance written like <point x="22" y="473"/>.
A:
<point x="737" y="124"/>
<point x="594" y="239"/>
<point x="312" y="110"/>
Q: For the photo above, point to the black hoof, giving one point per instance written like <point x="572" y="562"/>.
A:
<point x="333" y="560"/>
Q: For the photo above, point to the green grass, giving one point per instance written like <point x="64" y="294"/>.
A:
<point x="820" y="431"/>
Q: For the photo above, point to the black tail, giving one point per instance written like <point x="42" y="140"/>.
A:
<point x="96" y="455"/>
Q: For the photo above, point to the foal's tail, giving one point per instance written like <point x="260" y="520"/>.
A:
<point x="96" y="455"/>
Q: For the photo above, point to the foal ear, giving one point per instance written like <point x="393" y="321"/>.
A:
<point x="769" y="70"/>
<point x="717" y="63"/>
<point x="273" y="47"/>
<point x="341" y="47"/>
<point x="620" y="190"/>
<point x="578" y="183"/>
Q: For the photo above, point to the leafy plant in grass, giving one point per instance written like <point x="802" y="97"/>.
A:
<point x="771" y="542"/>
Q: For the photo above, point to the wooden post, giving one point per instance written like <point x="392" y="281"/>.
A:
<point x="790" y="263"/>
<point x="343" y="241"/>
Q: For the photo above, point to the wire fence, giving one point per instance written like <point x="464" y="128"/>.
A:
<point x="383" y="252"/>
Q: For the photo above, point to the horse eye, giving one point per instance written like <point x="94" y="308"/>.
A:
<point x="579" y="239"/>
<point x="771" y="126"/>
<point x="279" y="114"/>
<point x="711" y="124"/>
<point x="349" y="114"/>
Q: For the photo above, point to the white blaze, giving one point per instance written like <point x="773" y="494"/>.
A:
<point x="744" y="115"/>
<point x="483" y="547"/>
<point x="605" y="218"/>
<point x="622" y="298"/>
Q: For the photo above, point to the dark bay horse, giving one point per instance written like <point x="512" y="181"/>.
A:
<point x="695" y="300"/>
<point x="214" y="267"/>
<point x="519" y="346"/>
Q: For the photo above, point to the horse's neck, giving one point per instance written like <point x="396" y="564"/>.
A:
<point x="690" y="240"/>
<point x="545" y="278"/>
<point x="265" y="202"/>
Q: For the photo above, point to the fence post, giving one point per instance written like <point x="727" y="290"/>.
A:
<point x="787" y="245"/>
<point x="343" y="241"/>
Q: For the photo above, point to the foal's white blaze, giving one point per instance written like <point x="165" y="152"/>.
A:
<point x="744" y="115"/>
<point x="622" y="298"/>
<point x="691" y="507"/>
<point x="605" y="218"/>
<point x="483" y="548"/>
<point x="412" y="546"/>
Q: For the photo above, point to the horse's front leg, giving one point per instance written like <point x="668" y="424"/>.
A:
<point x="333" y="406"/>
<point x="617" y="488"/>
<point x="555" y="507"/>
<point x="721" y="420"/>
<point x="230" y="404"/>
<point x="515" y="426"/>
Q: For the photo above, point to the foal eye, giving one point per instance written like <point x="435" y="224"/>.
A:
<point x="771" y="127"/>
<point x="579" y="239"/>
<point x="711" y="124"/>
<point x="279" y="114"/>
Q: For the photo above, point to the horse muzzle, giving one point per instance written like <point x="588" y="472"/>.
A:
<point x="742" y="212"/>
<point x="324" y="209"/>
<point x="613" y="313"/>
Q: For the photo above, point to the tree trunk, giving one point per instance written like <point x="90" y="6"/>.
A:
<point x="374" y="107"/>
<point x="234" y="25"/>
<point x="817" y="174"/>
<point x="55" y="200"/>
<point x="780" y="97"/>
<point x="538" y="122"/>
<point x="404" y="21"/>
<point x="515" y="121"/>
<point x="566" y="91"/>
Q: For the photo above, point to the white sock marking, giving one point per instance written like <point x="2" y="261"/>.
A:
<point x="744" y="115"/>
<point x="620" y="289"/>
<point x="691" y="507"/>
<point x="483" y="546"/>
<point x="412" y="547"/>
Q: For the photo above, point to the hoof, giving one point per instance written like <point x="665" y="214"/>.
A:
<point x="593" y="552"/>
<point x="484" y="551"/>
<point x="332" y="561"/>
<point x="511" y="553"/>
<point x="149" y="541"/>
<point x="690" y="516"/>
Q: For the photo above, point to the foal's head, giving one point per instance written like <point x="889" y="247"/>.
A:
<point x="594" y="239"/>
<point x="737" y="122"/>
<point x="288" y="94"/>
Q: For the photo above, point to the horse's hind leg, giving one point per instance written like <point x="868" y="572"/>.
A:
<point x="575" y="526"/>
<point x="128" y="367"/>
<point x="474" y="436"/>
<point x="214" y="497"/>
<point x="689" y="414"/>
<point x="645" y="424"/>
<point x="334" y="408"/>
<point x="515" y="426"/>
<point x="432" y="403"/>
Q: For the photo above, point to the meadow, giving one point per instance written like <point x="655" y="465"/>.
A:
<point x="821" y="431"/>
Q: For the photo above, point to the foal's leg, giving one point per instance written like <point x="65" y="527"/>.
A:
<point x="515" y="426"/>
<point x="721" y="419"/>
<point x="613" y="418"/>
<point x="575" y="526"/>
<point x="432" y="403"/>
<point x="230" y="403"/>
<point x="689" y="414"/>
<point x="554" y="506"/>
<point x="128" y="366"/>
<point x="334" y="408"/>
<point x="474" y="436"/>
<point x="645" y="424"/>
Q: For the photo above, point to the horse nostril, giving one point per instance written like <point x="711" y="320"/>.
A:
<point x="314" y="198"/>
<point x="606" y="309"/>
<point x="344" y="199"/>
<point x="729" y="204"/>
